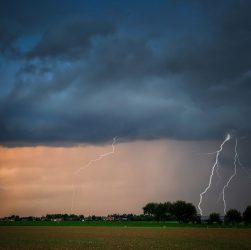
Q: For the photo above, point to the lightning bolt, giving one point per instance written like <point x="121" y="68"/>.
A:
<point x="236" y="160"/>
<point x="236" y="157"/>
<point x="218" y="174"/>
<point x="100" y="157"/>
<point x="228" y="137"/>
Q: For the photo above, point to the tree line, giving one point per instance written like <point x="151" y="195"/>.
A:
<point x="181" y="211"/>
<point x="186" y="212"/>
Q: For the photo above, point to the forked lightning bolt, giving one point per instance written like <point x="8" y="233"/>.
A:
<point x="231" y="177"/>
<point x="100" y="157"/>
<point x="228" y="137"/>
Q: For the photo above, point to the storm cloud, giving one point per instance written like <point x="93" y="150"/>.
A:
<point x="78" y="74"/>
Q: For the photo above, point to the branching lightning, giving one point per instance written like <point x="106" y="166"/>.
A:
<point x="218" y="174"/>
<point x="215" y="168"/>
<point x="100" y="157"/>
<point x="228" y="137"/>
<point x="231" y="177"/>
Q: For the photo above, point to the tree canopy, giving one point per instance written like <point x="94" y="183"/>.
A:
<point x="214" y="218"/>
<point x="179" y="210"/>
<point x="233" y="216"/>
<point x="247" y="215"/>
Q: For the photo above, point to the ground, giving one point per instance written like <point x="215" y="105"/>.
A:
<point x="76" y="237"/>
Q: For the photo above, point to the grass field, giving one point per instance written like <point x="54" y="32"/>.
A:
<point x="62" y="237"/>
<point x="118" y="224"/>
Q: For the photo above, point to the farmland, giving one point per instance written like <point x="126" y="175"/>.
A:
<point x="103" y="237"/>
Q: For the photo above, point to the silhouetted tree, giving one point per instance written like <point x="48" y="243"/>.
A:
<point x="169" y="209"/>
<point x="197" y="219"/>
<point x="214" y="218"/>
<point x="65" y="217"/>
<point x="14" y="218"/>
<point x="161" y="211"/>
<point x="150" y="209"/>
<point x="232" y="216"/>
<point x="184" y="212"/>
<point x="247" y="215"/>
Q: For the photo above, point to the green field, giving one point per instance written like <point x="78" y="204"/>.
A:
<point x="118" y="224"/>
<point x="68" y="237"/>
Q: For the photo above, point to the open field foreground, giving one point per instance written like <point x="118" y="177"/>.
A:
<point x="123" y="238"/>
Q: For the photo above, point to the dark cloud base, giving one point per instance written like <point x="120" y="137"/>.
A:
<point x="79" y="74"/>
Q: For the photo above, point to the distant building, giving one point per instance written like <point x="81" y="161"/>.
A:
<point x="57" y="219"/>
<point x="110" y="218"/>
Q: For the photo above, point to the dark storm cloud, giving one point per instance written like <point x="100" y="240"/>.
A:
<point x="70" y="39"/>
<point x="7" y="46"/>
<point x="19" y="19"/>
<point x="88" y="78"/>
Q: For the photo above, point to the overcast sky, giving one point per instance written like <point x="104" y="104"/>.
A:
<point x="77" y="73"/>
<point x="84" y="71"/>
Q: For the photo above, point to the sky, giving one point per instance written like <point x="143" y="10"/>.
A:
<point x="168" y="78"/>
